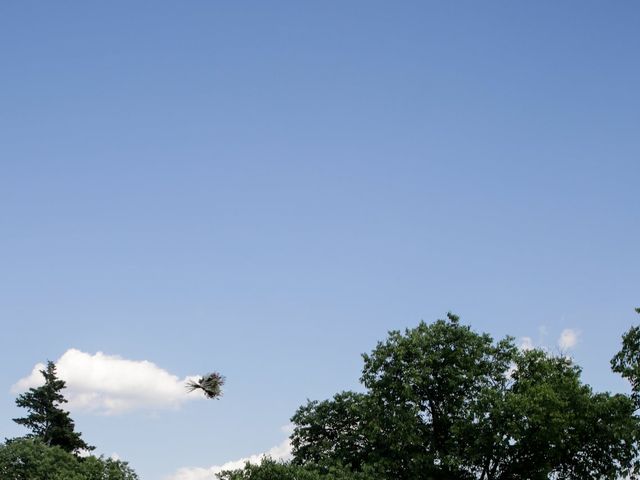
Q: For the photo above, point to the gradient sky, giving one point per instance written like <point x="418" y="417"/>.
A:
<point x="267" y="188"/>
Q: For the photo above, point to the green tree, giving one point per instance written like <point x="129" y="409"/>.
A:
<point x="100" y="468"/>
<point x="46" y="420"/>
<point x="270" y="469"/>
<point x="548" y="424"/>
<point x="31" y="459"/>
<point x="627" y="361"/>
<point x="445" y="402"/>
<point x="337" y="426"/>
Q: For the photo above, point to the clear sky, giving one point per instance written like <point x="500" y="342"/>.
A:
<point x="267" y="188"/>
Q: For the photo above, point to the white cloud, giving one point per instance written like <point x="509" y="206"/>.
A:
<point x="543" y="331"/>
<point x="279" y="452"/>
<point x="568" y="339"/>
<point x="288" y="428"/>
<point x="526" y="343"/>
<point x="110" y="384"/>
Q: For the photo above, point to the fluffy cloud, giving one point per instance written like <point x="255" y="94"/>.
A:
<point x="279" y="452"/>
<point x="526" y="343"/>
<point x="109" y="384"/>
<point x="568" y="339"/>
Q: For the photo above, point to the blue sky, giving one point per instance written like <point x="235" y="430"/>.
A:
<point x="267" y="188"/>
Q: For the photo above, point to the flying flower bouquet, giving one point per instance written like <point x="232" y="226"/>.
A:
<point x="211" y="384"/>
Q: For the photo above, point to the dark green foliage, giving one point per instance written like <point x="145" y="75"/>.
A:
<point x="31" y="459"/>
<point x="627" y="360"/>
<point x="100" y="468"/>
<point x="211" y="385"/>
<point x="50" y="451"/>
<point x="553" y="425"/>
<point x="445" y="402"/>
<point x="271" y="470"/>
<point x="336" y="425"/>
<point x="430" y="386"/>
<point x="46" y="420"/>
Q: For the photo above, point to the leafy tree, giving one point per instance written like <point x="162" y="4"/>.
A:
<point x="46" y="419"/>
<point x="445" y="402"/>
<point x="550" y="425"/>
<point x="627" y="361"/>
<point x="337" y="426"/>
<point x="100" y="468"/>
<point x="269" y="469"/>
<point x="31" y="459"/>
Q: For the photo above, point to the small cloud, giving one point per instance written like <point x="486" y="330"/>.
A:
<point x="526" y="343"/>
<point x="568" y="339"/>
<point x="288" y="428"/>
<point x="543" y="332"/>
<point x="109" y="384"/>
<point x="279" y="452"/>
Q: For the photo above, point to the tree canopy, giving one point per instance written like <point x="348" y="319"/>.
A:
<point x="627" y="361"/>
<point x="52" y="449"/>
<point x="269" y="469"/>
<point x="31" y="459"/>
<point x="46" y="420"/>
<point x="442" y="401"/>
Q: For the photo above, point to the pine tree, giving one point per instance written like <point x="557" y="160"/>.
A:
<point x="46" y="419"/>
